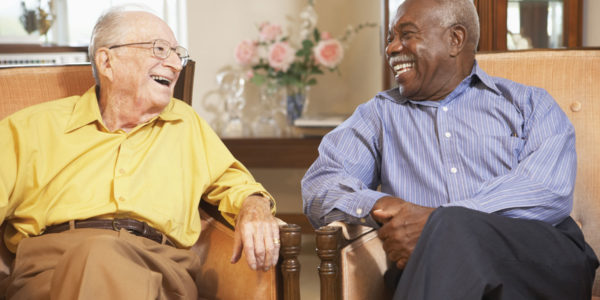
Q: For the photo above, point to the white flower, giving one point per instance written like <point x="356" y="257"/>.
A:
<point x="308" y="21"/>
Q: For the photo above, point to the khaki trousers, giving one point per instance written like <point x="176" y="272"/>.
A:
<point x="101" y="264"/>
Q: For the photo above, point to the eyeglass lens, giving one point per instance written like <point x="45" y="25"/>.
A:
<point x="162" y="49"/>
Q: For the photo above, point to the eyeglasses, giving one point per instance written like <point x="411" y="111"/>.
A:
<point x="162" y="49"/>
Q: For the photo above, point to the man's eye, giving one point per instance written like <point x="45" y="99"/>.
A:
<point x="407" y="34"/>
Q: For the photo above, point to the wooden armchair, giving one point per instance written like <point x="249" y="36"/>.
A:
<point x="352" y="258"/>
<point x="24" y="86"/>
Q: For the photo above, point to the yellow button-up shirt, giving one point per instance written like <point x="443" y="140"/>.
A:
<point x="59" y="162"/>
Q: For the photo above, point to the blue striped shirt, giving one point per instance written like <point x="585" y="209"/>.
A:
<point x="492" y="145"/>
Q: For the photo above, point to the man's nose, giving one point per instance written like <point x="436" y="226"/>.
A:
<point x="395" y="46"/>
<point x="173" y="61"/>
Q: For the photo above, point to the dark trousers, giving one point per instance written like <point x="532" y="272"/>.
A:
<point x="465" y="254"/>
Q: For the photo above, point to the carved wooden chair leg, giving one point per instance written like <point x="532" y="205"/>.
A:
<point x="328" y="248"/>
<point x="291" y="239"/>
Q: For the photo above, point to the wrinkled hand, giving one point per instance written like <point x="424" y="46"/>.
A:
<point x="257" y="234"/>
<point x="403" y="223"/>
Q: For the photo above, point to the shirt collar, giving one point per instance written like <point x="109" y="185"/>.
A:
<point x="86" y="111"/>
<point x="476" y="75"/>
<point x="484" y="78"/>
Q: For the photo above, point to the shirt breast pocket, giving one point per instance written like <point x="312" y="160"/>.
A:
<point x="491" y="156"/>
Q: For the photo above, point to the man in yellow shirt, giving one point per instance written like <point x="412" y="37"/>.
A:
<point x="100" y="191"/>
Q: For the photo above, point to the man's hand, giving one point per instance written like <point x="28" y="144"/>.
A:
<point x="257" y="233"/>
<point x="402" y="225"/>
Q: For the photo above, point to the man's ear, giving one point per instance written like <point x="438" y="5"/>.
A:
<point x="103" y="63"/>
<point x="457" y="39"/>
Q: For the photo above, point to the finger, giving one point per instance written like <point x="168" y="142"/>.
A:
<point x="401" y="264"/>
<point x="237" y="247"/>
<point x="386" y="231"/>
<point x="381" y="216"/>
<point x="248" y="245"/>
<point x="258" y="250"/>
<point x="269" y="242"/>
<point x="276" y="237"/>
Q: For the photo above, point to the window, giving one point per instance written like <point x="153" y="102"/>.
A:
<point x="74" y="20"/>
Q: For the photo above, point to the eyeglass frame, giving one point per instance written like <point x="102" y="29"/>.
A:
<point x="184" y="59"/>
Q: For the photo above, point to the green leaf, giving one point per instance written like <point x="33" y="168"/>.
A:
<point x="258" y="79"/>
<point x="316" y="70"/>
<point x="307" y="44"/>
<point x="301" y="52"/>
<point x="317" y="35"/>
<point x="311" y="81"/>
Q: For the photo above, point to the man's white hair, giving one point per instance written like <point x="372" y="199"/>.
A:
<point x="461" y="12"/>
<point x="109" y="30"/>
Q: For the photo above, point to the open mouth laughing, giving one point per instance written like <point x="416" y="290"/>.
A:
<point x="162" y="80"/>
<point x="403" y="67"/>
<point x="401" y="64"/>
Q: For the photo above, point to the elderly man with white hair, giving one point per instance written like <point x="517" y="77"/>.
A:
<point x="101" y="191"/>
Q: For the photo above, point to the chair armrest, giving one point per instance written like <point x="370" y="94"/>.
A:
<point x="351" y="232"/>
<point x="352" y="262"/>
<point x="221" y="280"/>
<point x="6" y="259"/>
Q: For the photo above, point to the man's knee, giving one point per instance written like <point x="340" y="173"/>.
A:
<point x="452" y="218"/>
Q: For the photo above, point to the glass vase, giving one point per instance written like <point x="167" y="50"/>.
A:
<point x="297" y="103"/>
<point x="231" y="90"/>
<point x="266" y="125"/>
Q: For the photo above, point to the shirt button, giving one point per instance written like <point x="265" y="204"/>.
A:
<point x="363" y="220"/>
<point x="359" y="211"/>
<point x="121" y="198"/>
<point x="447" y="134"/>
<point x="122" y="171"/>
<point x="445" y="108"/>
<point x="453" y="170"/>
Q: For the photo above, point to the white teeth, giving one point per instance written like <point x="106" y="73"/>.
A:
<point x="155" y="77"/>
<point x="401" y="68"/>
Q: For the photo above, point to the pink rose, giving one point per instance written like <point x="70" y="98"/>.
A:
<point x="325" y="35"/>
<point x="281" y="56"/>
<point x="269" y="32"/>
<point x="329" y="53"/>
<point x="246" y="53"/>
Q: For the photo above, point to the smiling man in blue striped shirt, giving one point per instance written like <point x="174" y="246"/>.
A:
<point x="476" y="173"/>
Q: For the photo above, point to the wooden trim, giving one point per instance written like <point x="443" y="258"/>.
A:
<point x="185" y="83"/>
<point x="492" y="22"/>
<point x="274" y="152"/>
<point x="291" y="243"/>
<point x="386" y="73"/>
<point x="573" y="23"/>
<point x="37" y="48"/>
<point x="500" y="11"/>
<point x="328" y="249"/>
<point x="298" y="219"/>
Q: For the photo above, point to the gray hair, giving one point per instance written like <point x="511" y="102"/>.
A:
<point x="461" y="12"/>
<point x="109" y="30"/>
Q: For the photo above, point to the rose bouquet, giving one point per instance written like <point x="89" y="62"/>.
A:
<point x="276" y="59"/>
